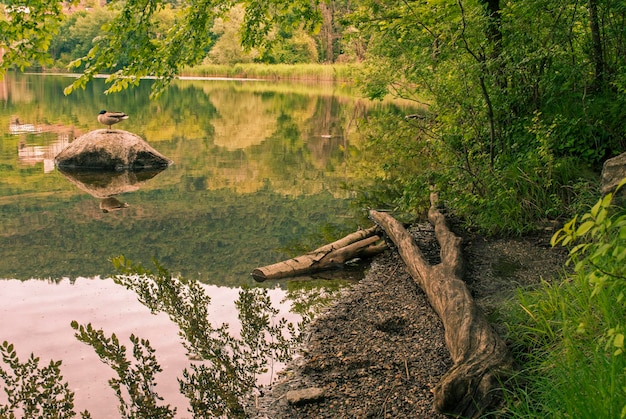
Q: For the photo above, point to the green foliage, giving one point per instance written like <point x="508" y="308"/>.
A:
<point x="293" y="48"/>
<point x="76" y="35"/>
<point x="33" y="391"/>
<point x="394" y="164"/>
<point x="402" y="158"/>
<point x="514" y="98"/>
<point x="600" y="257"/>
<point x="569" y="336"/>
<point x="26" y="30"/>
<point x="137" y="379"/>
<point x="163" y="52"/>
<point x="227" y="48"/>
<point x="517" y="197"/>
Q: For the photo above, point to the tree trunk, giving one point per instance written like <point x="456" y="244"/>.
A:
<point x="596" y="44"/>
<point x="327" y="33"/>
<point x="480" y="356"/>
<point x="360" y="244"/>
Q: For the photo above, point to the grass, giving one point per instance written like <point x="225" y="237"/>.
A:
<point x="566" y="372"/>
<point x="563" y="333"/>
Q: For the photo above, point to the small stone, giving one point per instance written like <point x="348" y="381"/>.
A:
<point x="305" y="395"/>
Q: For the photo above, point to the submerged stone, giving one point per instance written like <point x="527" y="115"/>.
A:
<point x="110" y="150"/>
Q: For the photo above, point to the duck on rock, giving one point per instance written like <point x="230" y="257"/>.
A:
<point x="110" y="118"/>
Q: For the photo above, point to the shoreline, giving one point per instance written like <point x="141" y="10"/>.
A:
<point x="380" y="349"/>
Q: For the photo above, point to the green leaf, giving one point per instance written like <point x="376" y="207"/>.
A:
<point x="618" y="340"/>
<point x="584" y="228"/>
<point x="596" y="208"/>
<point x="606" y="201"/>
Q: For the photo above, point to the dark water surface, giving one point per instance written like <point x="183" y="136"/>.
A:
<point x="258" y="175"/>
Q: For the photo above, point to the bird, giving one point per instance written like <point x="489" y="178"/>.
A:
<point x="110" y="118"/>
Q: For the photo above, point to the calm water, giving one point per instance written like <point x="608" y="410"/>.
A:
<point x="258" y="176"/>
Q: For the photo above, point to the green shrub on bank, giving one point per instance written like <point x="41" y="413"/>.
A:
<point x="568" y="336"/>
<point x="523" y="189"/>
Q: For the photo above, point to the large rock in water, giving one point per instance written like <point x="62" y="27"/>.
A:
<point x="613" y="171"/>
<point x="105" y="149"/>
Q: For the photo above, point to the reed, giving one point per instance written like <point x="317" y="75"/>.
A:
<point x="302" y="72"/>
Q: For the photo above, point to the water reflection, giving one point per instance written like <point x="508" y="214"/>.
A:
<point x="230" y="365"/>
<point x="260" y="168"/>
<point x="100" y="184"/>
<point x="17" y="127"/>
<point x="223" y="361"/>
<point x="111" y="204"/>
<point x="106" y="185"/>
<point x="259" y="177"/>
<point x="32" y="154"/>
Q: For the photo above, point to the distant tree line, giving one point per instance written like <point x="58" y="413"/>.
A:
<point x="80" y="28"/>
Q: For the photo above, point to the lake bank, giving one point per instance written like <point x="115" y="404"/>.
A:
<point x="380" y="349"/>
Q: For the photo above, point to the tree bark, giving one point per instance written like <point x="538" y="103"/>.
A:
<point x="596" y="43"/>
<point x="327" y="32"/>
<point x="360" y="244"/>
<point x="481" y="358"/>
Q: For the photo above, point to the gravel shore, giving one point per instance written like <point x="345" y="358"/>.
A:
<point x="379" y="350"/>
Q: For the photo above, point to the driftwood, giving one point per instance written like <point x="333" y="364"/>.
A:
<point x="360" y="244"/>
<point x="481" y="358"/>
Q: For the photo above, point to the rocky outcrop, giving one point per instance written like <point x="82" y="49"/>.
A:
<point x="613" y="171"/>
<point x="110" y="150"/>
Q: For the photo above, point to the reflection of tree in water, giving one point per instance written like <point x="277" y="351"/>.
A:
<point x="215" y="386"/>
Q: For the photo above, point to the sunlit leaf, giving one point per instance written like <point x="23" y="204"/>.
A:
<point x="595" y="209"/>
<point x="584" y="228"/>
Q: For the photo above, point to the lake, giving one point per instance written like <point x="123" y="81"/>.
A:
<point x="258" y="175"/>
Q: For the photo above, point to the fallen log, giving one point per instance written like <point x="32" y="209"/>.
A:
<point x="360" y="244"/>
<point x="481" y="358"/>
